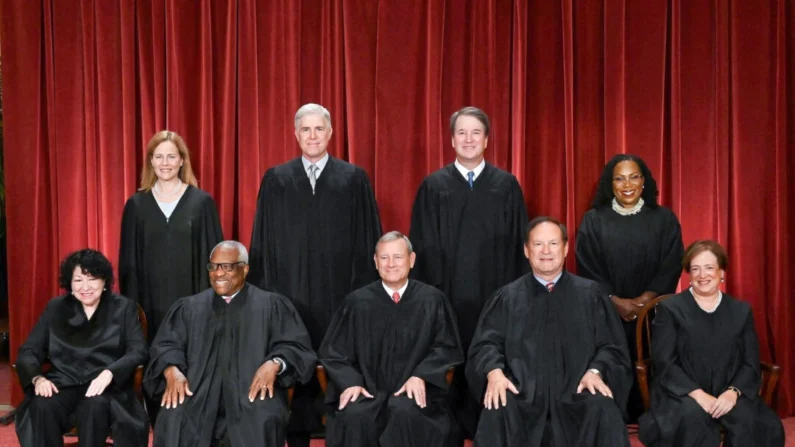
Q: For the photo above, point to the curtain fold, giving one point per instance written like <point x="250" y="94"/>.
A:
<point x="701" y="90"/>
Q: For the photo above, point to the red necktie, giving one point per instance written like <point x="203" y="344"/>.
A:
<point x="227" y="299"/>
<point x="550" y="286"/>
<point x="396" y="297"/>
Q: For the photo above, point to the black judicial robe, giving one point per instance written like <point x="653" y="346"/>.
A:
<point x="693" y="349"/>
<point x="163" y="259"/>
<point x="314" y="248"/>
<point x="545" y="342"/>
<point x="468" y="241"/>
<point x="629" y="255"/>
<point x="78" y="350"/>
<point x="219" y="347"/>
<point x="378" y="344"/>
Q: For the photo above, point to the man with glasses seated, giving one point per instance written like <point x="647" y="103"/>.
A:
<point x="222" y="361"/>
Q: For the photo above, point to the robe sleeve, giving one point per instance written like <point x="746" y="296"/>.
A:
<point x="590" y="262"/>
<point x="519" y="220"/>
<point x="337" y="354"/>
<point x="168" y="348"/>
<point x="445" y="351"/>
<point x="611" y="356"/>
<point x="33" y="353"/>
<point x="135" y="347"/>
<point x="426" y="239"/>
<point x="671" y="252"/>
<point x="290" y="342"/>
<point x="259" y="264"/>
<point x="670" y="375"/>
<point x="749" y="375"/>
<point x="487" y="350"/>
<point x="128" y="253"/>
<point x="209" y="236"/>
<point x="367" y="230"/>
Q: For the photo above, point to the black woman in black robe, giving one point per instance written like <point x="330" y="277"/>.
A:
<point x="468" y="235"/>
<point x="630" y="245"/>
<point x="93" y="341"/>
<point x="705" y="357"/>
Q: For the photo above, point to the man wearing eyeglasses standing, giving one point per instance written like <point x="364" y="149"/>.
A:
<point x="222" y="361"/>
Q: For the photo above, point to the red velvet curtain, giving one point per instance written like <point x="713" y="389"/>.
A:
<point x="702" y="90"/>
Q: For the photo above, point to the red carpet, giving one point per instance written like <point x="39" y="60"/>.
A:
<point x="8" y="438"/>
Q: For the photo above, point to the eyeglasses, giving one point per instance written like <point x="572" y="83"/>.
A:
<point x="227" y="267"/>
<point x="634" y="179"/>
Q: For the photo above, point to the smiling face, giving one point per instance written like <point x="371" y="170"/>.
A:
<point x="469" y="140"/>
<point x="86" y="288"/>
<point x="627" y="183"/>
<point x="705" y="274"/>
<point x="166" y="161"/>
<point x="393" y="262"/>
<point x="546" y="250"/>
<point x="313" y="134"/>
<point x="227" y="283"/>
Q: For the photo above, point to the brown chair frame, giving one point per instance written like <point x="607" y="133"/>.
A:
<point x="770" y="371"/>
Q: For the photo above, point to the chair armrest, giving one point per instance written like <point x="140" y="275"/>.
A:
<point x="642" y="368"/>
<point x="322" y="378"/>
<point x="770" y="375"/>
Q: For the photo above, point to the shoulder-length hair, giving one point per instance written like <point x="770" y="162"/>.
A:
<point x="148" y="176"/>
<point x="604" y="189"/>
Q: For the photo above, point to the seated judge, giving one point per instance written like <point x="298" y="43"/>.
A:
<point x="549" y="357"/>
<point x="386" y="355"/>
<point x="223" y="360"/>
<point x="94" y="342"/>
<point x="706" y="365"/>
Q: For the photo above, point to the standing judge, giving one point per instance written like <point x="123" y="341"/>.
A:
<point x="549" y="358"/>
<point x="630" y="245"/>
<point x="466" y="226"/>
<point x="167" y="231"/>
<point x="706" y="365"/>
<point x="223" y="359"/>
<point x="93" y="341"/>
<point x="386" y="354"/>
<point x="314" y="234"/>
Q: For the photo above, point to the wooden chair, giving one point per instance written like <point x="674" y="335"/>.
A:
<point x="137" y="379"/>
<point x="770" y="372"/>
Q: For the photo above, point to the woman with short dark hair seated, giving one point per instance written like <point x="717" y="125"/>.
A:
<point x="706" y="365"/>
<point x="93" y="340"/>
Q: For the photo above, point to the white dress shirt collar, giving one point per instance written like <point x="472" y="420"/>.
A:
<point x="463" y="170"/>
<point x="400" y="291"/>
<point x="320" y="164"/>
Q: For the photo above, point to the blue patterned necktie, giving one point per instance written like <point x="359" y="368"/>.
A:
<point x="471" y="179"/>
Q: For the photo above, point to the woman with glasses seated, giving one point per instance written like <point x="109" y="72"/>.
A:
<point x="631" y="245"/>
<point x="706" y="365"/>
<point x="93" y="341"/>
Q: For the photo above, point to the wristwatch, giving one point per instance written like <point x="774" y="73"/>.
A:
<point x="736" y="390"/>
<point x="595" y="371"/>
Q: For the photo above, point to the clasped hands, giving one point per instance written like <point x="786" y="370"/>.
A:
<point x="628" y="308"/>
<point x="414" y="388"/>
<point x="178" y="388"/>
<point x="716" y="407"/>
<point x="45" y="388"/>
<point x="498" y="386"/>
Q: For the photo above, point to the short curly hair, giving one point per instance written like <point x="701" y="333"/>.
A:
<point x="604" y="189"/>
<point x="90" y="261"/>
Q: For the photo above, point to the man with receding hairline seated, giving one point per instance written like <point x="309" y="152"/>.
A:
<point x="223" y="359"/>
<point x="386" y="355"/>
<point x="549" y="358"/>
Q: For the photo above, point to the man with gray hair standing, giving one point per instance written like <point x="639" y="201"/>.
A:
<point x="386" y="355"/>
<point x="314" y="232"/>
<point x="222" y="361"/>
